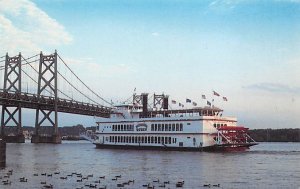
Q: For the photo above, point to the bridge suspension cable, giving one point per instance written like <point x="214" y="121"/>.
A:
<point x="83" y="82"/>
<point x="29" y="63"/>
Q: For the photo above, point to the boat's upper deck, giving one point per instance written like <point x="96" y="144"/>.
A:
<point x="131" y="113"/>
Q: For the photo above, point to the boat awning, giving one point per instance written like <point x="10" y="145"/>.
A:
<point x="233" y="128"/>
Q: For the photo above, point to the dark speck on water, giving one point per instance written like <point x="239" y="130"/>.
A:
<point x="268" y="165"/>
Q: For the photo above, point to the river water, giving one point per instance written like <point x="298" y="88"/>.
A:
<point x="267" y="165"/>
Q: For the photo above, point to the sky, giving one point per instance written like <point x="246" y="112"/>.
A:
<point x="246" y="50"/>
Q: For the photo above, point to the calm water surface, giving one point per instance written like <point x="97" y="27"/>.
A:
<point x="268" y="165"/>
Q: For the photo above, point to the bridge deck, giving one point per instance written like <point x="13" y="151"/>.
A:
<point x="32" y="101"/>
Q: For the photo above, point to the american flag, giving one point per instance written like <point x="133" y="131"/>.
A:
<point x="215" y="93"/>
<point x="208" y="103"/>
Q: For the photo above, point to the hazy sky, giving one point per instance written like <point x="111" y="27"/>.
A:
<point x="246" y="50"/>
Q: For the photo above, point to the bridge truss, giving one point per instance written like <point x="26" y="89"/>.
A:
<point x="48" y="99"/>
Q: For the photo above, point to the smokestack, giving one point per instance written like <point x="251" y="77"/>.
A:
<point x="145" y="103"/>
<point x="166" y="102"/>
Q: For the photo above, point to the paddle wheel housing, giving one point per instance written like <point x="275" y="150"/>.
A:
<point x="233" y="136"/>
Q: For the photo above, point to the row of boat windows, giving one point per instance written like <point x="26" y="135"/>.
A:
<point x="141" y="139"/>
<point x="122" y="127"/>
<point x="217" y="125"/>
<point x="154" y="127"/>
<point x="167" y="127"/>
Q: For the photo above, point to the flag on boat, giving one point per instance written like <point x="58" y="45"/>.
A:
<point x="194" y="104"/>
<point x="215" y="93"/>
<point x="173" y="102"/>
<point x="224" y="98"/>
<point x="188" y="100"/>
<point x="208" y="103"/>
<point x="203" y="97"/>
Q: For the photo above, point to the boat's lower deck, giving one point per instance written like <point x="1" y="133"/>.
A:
<point x="227" y="147"/>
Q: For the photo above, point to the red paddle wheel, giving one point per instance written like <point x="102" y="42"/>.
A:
<point x="233" y="138"/>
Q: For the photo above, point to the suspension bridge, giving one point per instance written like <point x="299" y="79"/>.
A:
<point x="48" y="85"/>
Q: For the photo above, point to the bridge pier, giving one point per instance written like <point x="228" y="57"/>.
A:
<point x="47" y="82"/>
<point x="12" y="114"/>
<point x="54" y="139"/>
<point x="2" y="153"/>
<point x="14" y="139"/>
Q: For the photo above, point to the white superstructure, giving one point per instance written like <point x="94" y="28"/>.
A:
<point x="135" y="126"/>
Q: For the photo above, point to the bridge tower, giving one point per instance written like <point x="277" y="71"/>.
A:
<point x="47" y="82"/>
<point x="11" y="113"/>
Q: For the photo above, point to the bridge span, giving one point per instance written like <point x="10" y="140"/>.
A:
<point x="46" y="79"/>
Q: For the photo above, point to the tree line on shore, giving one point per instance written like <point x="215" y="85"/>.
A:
<point x="259" y="135"/>
<point x="275" y="135"/>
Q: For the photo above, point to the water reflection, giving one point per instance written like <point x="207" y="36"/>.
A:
<point x="264" y="166"/>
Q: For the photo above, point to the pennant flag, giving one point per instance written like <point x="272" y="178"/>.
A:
<point x="194" y="104"/>
<point x="203" y="97"/>
<point x="224" y="98"/>
<point x="188" y="100"/>
<point x="215" y="93"/>
<point x="208" y="103"/>
<point x="173" y="102"/>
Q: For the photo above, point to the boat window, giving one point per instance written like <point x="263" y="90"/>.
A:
<point x="170" y="127"/>
<point x="169" y="140"/>
<point x="166" y="140"/>
<point x="181" y="127"/>
<point x="159" y="127"/>
<point x="149" y="139"/>
<point x="188" y="123"/>
<point x="118" y="127"/>
<point x="177" y="127"/>
<point x="152" y="139"/>
<point x="152" y="127"/>
<point x="163" y="127"/>
<point x="155" y="126"/>
<point x="162" y="140"/>
<point x="173" y="127"/>
<point x="155" y="140"/>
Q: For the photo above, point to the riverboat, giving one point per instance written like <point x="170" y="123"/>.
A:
<point x="136" y="126"/>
